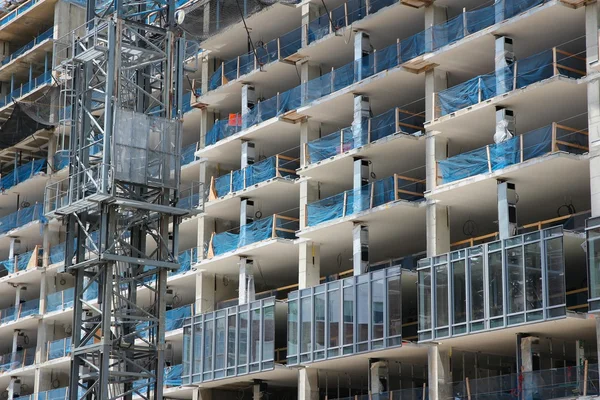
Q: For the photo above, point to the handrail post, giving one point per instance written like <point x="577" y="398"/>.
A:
<point x="344" y="205"/>
<point x="346" y="13"/>
<point x="489" y="158"/>
<point x="554" y="61"/>
<point x="515" y="74"/>
<point x="554" y="146"/>
<point x="330" y="21"/>
<point x="238" y="67"/>
<point x="277" y="173"/>
<point x="398" y="51"/>
<point x="465" y="30"/>
<point x="521" y="147"/>
<point x="274" y="235"/>
<point x="479" y="93"/>
<point x="397" y="120"/>
<point x="395" y="187"/>
<point x="278" y="49"/>
<point x="222" y="72"/>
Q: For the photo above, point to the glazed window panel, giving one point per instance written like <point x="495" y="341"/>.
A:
<point x="378" y="309"/>
<point x="459" y="289"/>
<point x="495" y="284"/>
<point x="319" y="321"/>
<point x="394" y="293"/>
<point x="334" y="318"/>
<point x="424" y="289"/>
<point x="477" y="288"/>
<point x="516" y="291"/>
<point x="292" y="330"/>
<point x="533" y="276"/>
<point x="556" y="272"/>
<point x="441" y="293"/>
<point x="306" y="328"/>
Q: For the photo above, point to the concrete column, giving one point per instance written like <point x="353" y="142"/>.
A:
<point x="308" y="72"/>
<point x="14" y="388"/>
<point x="258" y="389"/>
<point x="246" y="212"/>
<point x="19" y="294"/>
<point x="433" y="15"/>
<point x="15" y="344"/>
<point x="507" y="209"/>
<point x="51" y="152"/>
<point x="67" y="17"/>
<point x="246" y="281"/>
<point x="362" y="113"/>
<point x="207" y="68"/>
<point x="504" y="57"/>
<point x="206" y="124"/>
<point x="206" y="19"/>
<point x="4" y="49"/>
<point x="362" y="48"/>
<point x="46" y="245"/>
<point x="309" y="192"/>
<point x="205" y="292"/>
<point x="438" y="229"/>
<point x="14" y="249"/>
<point x="435" y="81"/>
<point x="202" y="394"/>
<point x="310" y="11"/>
<point x="525" y="363"/>
<point x="205" y="230"/>
<point x="309" y="131"/>
<point x="309" y="265"/>
<point x="248" y="153"/>
<point x="248" y="101"/>
<point x="308" y="384"/>
<point x="436" y="149"/>
<point x="379" y="378"/>
<point x="592" y="24"/>
<point x="360" y="248"/>
<point x="361" y="178"/>
<point x="440" y="376"/>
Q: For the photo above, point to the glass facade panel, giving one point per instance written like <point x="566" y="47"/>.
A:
<point x="555" y="263"/>
<point x="378" y="290"/>
<point x="533" y="276"/>
<point x="292" y="325"/>
<point x="593" y="247"/>
<point x="425" y="299"/>
<point x="394" y="293"/>
<point x="334" y="318"/>
<point x="514" y="265"/>
<point x="459" y="292"/>
<point x="441" y="294"/>
<point x="348" y="316"/>
<point x="477" y="288"/>
<point x="232" y="341"/>
<point x="319" y="321"/>
<point x="526" y="272"/>
<point x="495" y="284"/>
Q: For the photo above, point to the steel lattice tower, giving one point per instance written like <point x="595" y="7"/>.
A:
<point x="121" y="96"/>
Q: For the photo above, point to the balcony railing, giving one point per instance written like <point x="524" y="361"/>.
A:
<point x="278" y="166"/>
<point x="275" y="226"/>
<point x="25" y="88"/>
<point x="374" y="194"/>
<point x="174" y="319"/>
<point x="21" y="218"/>
<point x="58" y="349"/>
<point x="231" y="342"/>
<point x="21" y="262"/>
<point x="275" y="50"/>
<point x="549" y="139"/>
<point x="521" y="73"/>
<point x="18" y="11"/>
<point x="23" y="310"/>
<point x="380" y="60"/>
<point x="500" y="284"/>
<point x="19" y="359"/>
<point x="21" y="174"/>
<point x="348" y="316"/>
<point x="389" y="123"/>
<point x="60" y="301"/>
<point x="39" y="39"/>
<point x="188" y="154"/>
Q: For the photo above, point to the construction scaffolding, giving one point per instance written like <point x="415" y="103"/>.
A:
<point x="121" y="96"/>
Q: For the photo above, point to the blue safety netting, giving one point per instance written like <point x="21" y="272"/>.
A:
<point x="188" y="154"/>
<point x="91" y="290"/>
<point x="173" y="375"/>
<point x="7" y="267"/>
<point x="21" y="174"/>
<point x="535" y="144"/>
<point x="221" y="129"/>
<point x="8" y="315"/>
<point x="256" y="173"/>
<point x="256" y="231"/>
<point x="186" y="259"/>
<point x="174" y="319"/>
<point x="19" y="359"/>
<point x="28" y="308"/>
<point x="57" y="252"/>
<point x="55" y="394"/>
<point x="290" y="43"/>
<point x="381" y="60"/>
<point x="330" y="145"/>
<point x="374" y="194"/>
<point x="60" y="300"/>
<point x="190" y="202"/>
<point x="61" y="159"/>
<point x="23" y="260"/>
<point x="22" y="217"/>
<point x="528" y="70"/>
<point x="59" y="348"/>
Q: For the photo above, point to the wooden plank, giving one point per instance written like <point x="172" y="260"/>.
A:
<point x="574" y="145"/>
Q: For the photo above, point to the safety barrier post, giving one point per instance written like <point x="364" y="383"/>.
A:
<point x="371" y="195"/>
<point x="479" y="93"/>
<point x="306" y="154"/>
<point x="554" y="145"/>
<point x="396" y="197"/>
<point x="277" y="165"/>
<point x="238" y="68"/>
<point x="369" y="131"/>
<point x="330" y="22"/>
<point x="367" y="6"/>
<point x="374" y="61"/>
<point x="344" y="205"/>
<point x="585" y="377"/>
<point x="464" y="15"/>
<point x="397" y="119"/>
<point x="273" y="233"/>
<point x="468" y="388"/>
<point x="346" y="13"/>
<point x="554" y="61"/>
<point x="278" y="49"/>
<point x="398" y="52"/>
<point x="489" y="159"/>
<point x="515" y="74"/>
<point x="222" y="73"/>
<point x="230" y="182"/>
<point x="521" y="146"/>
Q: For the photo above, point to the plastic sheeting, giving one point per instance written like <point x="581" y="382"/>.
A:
<point x="22" y="217"/>
<point x="188" y="154"/>
<point x="372" y="195"/>
<point x="256" y="231"/>
<point x="61" y="159"/>
<point x="174" y="319"/>
<point x="173" y="375"/>
<point x="186" y="259"/>
<point x="57" y="252"/>
<point x="21" y="174"/>
<point x="28" y="308"/>
<point x="59" y="348"/>
<point x="535" y="144"/>
<point x="60" y="300"/>
<point x="330" y="145"/>
<point x="221" y="129"/>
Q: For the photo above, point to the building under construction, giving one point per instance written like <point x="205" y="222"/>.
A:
<point x="318" y="199"/>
